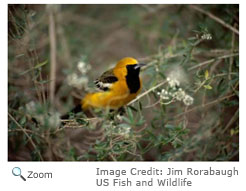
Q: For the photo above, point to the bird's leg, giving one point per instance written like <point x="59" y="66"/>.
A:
<point x="111" y="114"/>
<point x="116" y="112"/>
<point x="121" y="111"/>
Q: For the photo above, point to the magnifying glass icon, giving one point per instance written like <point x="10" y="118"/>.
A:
<point x="16" y="171"/>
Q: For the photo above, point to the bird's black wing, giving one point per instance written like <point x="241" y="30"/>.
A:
<point x="106" y="80"/>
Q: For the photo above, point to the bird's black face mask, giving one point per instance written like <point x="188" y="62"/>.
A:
<point x="132" y="77"/>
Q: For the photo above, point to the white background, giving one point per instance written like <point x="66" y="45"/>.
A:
<point x="82" y="175"/>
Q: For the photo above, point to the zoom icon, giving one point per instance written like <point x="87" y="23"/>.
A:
<point x="16" y="171"/>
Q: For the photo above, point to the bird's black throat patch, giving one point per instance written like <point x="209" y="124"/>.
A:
<point x="132" y="78"/>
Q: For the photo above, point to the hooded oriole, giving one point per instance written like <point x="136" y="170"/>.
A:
<point x="119" y="86"/>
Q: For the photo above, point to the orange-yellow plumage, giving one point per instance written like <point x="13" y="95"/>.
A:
<point x="121" y="91"/>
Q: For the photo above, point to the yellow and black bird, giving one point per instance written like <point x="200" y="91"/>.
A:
<point x="118" y="86"/>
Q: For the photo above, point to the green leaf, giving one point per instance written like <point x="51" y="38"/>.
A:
<point x="206" y="75"/>
<point x="19" y="55"/>
<point x="162" y="75"/>
<point x="126" y="119"/>
<point x="140" y="106"/>
<point x="133" y="108"/>
<point x="208" y="87"/>
<point x="232" y="132"/>
<point x="169" y="126"/>
<point x="130" y="114"/>
<point x="23" y="120"/>
<point x="35" y="67"/>
<point x="40" y="64"/>
<point x="140" y="121"/>
<point x="123" y="125"/>
<point x="44" y="81"/>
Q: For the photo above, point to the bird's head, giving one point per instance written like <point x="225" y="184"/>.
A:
<point x="128" y="65"/>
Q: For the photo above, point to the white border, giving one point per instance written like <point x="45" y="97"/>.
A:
<point x="81" y="175"/>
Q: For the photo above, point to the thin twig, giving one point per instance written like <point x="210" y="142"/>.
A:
<point x="40" y="77"/>
<point x="207" y="104"/>
<point x="212" y="60"/>
<point x="74" y="120"/>
<point x="152" y="105"/>
<point x="231" y="60"/>
<point x="31" y="57"/>
<point x="28" y="131"/>
<point x="29" y="138"/>
<point x="52" y="35"/>
<point x="217" y="19"/>
<point x="146" y="92"/>
<point x="232" y="120"/>
<point x="154" y="59"/>
<point x="112" y="156"/>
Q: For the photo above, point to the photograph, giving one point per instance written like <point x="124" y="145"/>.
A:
<point x="123" y="82"/>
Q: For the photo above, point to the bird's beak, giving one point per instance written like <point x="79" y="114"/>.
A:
<point x="139" y="65"/>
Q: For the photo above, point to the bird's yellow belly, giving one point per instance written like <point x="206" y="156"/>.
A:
<point x="106" y="100"/>
<point x="114" y="99"/>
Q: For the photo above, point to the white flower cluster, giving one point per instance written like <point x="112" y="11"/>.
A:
<point x="173" y="83"/>
<point x="179" y="95"/>
<point x="124" y="131"/>
<point x="188" y="100"/>
<point x="206" y="36"/>
<point x="164" y="94"/>
<point x="83" y="67"/>
<point x="120" y="129"/>
<point x="77" y="81"/>
<point x="174" y="92"/>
